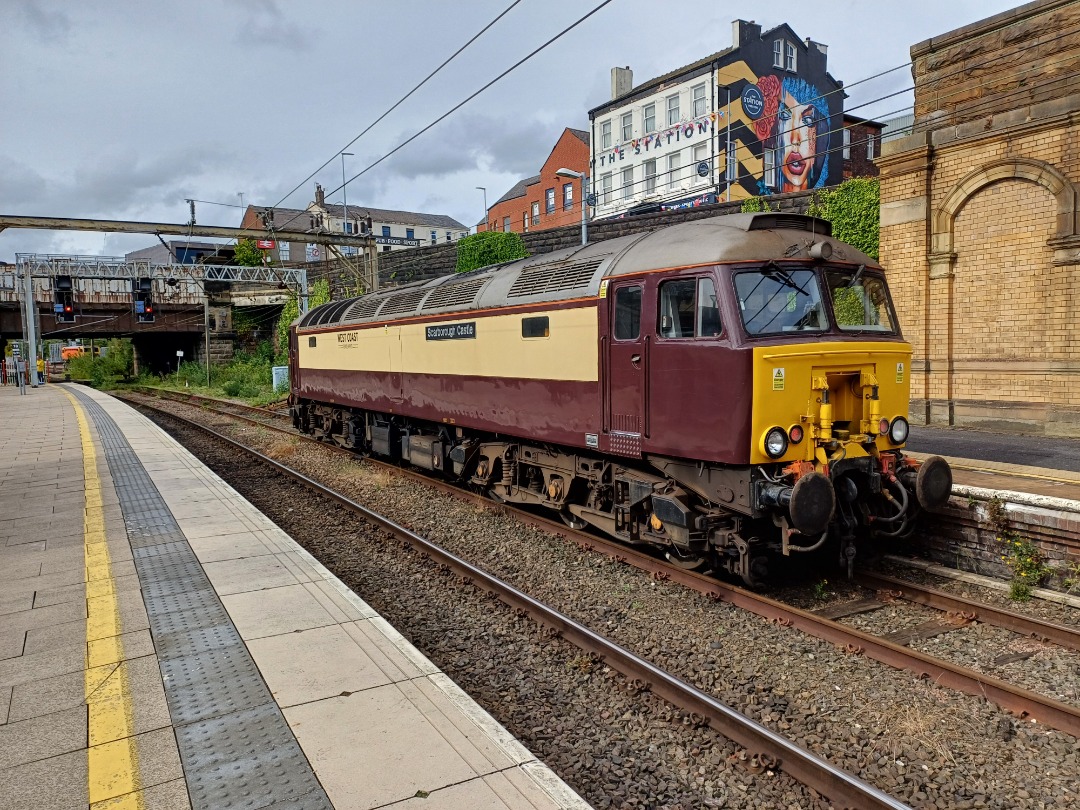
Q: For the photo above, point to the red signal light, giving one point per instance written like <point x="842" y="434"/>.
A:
<point x="67" y="308"/>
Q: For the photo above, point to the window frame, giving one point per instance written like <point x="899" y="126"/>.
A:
<point x="506" y="224"/>
<point x="791" y="57"/>
<point x="549" y="200"/>
<point x="534" y="321"/>
<point x="672" y="112"/>
<point x="695" y="159"/>
<point x="846" y="140"/>
<point x="568" y="196"/>
<point x="674" y="170"/>
<point x="731" y="162"/>
<point x="650" y="177"/>
<point x="648" y="113"/>
<point x="697" y="327"/>
<point x="778" y="53"/>
<point x="386" y="231"/>
<point x="605" y="134"/>
<point x="535" y="210"/>
<point x="627" y="185"/>
<point x="640" y="287"/>
<point x="283" y="251"/>
<point x="694" y="99"/>
<point x="605" y="188"/>
<point x="410" y="233"/>
<point x="627" y="126"/>
<point x="870" y="146"/>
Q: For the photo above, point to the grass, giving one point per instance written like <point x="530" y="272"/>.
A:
<point x="248" y="377"/>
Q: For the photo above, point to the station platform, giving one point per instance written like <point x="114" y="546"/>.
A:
<point x="164" y="645"/>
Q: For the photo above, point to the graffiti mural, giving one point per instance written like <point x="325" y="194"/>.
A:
<point x="792" y="122"/>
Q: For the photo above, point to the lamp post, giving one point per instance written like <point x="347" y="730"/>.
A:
<point x="240" y="194"/>
<point x="481" y="188"/>
<point x="344" y="196"/>
<point x="584" y="178"/>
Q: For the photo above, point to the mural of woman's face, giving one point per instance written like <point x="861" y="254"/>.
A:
<point x="797" y="128"/>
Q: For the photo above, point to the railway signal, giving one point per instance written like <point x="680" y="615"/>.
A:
<point x="64" y="300"/>
<point x="144" y="302"/>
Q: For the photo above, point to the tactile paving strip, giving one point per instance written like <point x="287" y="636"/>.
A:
<point x="235" y="746"/>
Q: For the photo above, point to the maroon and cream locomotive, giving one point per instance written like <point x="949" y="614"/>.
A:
<point x="724" y="389"/>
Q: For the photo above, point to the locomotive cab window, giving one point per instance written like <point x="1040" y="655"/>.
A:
<point x="537" y="327"/>
<point x="776" y="299"/>
<point x="627" y="313"/>
<point x="688" y="309"/>
<point x="311" y="342"/>
<point x="860" y="302"/>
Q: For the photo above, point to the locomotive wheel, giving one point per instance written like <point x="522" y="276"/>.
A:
<point x="572" y="520"/>
<point x="690" y="563"/>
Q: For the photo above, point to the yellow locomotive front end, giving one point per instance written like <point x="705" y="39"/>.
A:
<point x="831" y="387"/>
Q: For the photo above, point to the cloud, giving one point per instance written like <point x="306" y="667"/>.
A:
<point x="45" y="24"/>
<point x="264" y="24"/>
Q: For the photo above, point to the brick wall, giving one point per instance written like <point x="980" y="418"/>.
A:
<point x="979" y="224"/>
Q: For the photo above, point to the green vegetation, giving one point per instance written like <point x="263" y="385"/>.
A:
<point x="247" y="255"/>
<point x="488" y="247"/>
<point x="1022" y="555"/>
<point x="854" y="209"/>
<point x="753" y="205"/>
<point x="247" y="376"/>
<point x="117" y="365"/>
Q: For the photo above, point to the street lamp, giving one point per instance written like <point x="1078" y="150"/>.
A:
<point x="481" y="188"/>
<point x="584" y="179"/>
<point x="240" y="194"/>
<point x="344" y="196"/>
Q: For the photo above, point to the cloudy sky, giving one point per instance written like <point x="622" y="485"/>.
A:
<point x="122" y="109"/>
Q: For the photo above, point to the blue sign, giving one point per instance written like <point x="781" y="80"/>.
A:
<point x="753" y="102"/>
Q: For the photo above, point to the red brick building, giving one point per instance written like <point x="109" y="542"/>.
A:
<point x="545" y="200"/>
<point x="861" y="144"/>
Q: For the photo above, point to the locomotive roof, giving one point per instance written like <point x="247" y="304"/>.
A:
<point x="577" y="272"/>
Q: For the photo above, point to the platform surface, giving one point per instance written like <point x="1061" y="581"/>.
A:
<point x="164" y="645"/>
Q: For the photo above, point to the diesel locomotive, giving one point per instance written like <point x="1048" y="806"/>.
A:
<point x="725" y="390"/>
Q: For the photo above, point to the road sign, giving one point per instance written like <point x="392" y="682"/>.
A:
<point x="16" y="350"/>
<point x="179" y="353"/>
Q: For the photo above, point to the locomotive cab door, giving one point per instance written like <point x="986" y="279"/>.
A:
<point x="627" y="369"/>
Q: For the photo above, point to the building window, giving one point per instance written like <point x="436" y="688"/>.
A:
<point x="536" y="213"/>
<point x="701" y="155"/>
<point x="605" y="188"/>
<point x="385" y="230"/>
<point x="525" y="222"/>
<point x="283" y="251"/>
<point x="449" y="236"/>
<point x="567" y="196"/>
<point x="605" y="134"/>
<point x="649" y="119"/>
<point x="847" y="143"/>
<point x="386" y="249"/>
<point x="650" y="177"/>
<point x="434" y="237"/>
<point x="771" y="166"/>
<point x="673" y="109"/>
<point x="778" y="53"/>
<point x="870" y="146"/>
<point x="628" y="183"/>
<point x="627" y="127"/>
<point x="549" y="200"/>
<point x="699" y="100"/>
<point x="410" y="233"/>
<point x="674" y="169"/>
<point x="348" y="226"/>
<point x="506" y="223"/>
<point x="789" y="57"/>
<point x="731" y="170"/>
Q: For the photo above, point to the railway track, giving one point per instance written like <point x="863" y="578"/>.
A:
<point x="765" y="750"/>
<point x="824" y="625"/>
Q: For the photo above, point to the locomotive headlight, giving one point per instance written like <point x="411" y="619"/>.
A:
<point x="776" y="442"/>
<point x="898" y="431"/>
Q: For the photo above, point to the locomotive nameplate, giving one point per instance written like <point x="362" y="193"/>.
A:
<point x="451" y="331"/>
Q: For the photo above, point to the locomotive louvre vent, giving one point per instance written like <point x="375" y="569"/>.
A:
<point x="454" y="295"/>
<point x="554" y="277"/>
<point x="362" y="308"/>
<point x="766" y="222"/>
<point x="403" y="303"/>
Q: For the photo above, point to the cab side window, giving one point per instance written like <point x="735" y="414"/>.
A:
<point x="688" y="309"/>
<point x="627" y="313"/>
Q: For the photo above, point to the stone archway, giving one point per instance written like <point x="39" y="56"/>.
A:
<point x="966" y="382"/>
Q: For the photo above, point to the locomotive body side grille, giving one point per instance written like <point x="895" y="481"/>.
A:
<point x="403" y="304"/>
<point x="454" y="295"/>
<point x="554" y="277"/>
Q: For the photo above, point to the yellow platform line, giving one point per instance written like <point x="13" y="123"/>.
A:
<point x="113" y="763"/>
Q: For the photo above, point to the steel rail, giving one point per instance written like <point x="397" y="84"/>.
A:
<point x="770" y="750"/>
<point x="1013" y="699"/>
<point x="1059" y="634"/>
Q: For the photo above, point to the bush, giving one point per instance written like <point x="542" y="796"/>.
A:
<point x="115" y="366"/>
<point x="752" y="205"/>
<point x="487" y="248"/>
<point x="854" y="209"/>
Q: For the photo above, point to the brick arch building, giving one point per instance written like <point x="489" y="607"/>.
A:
<point x="979" y="222"/>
